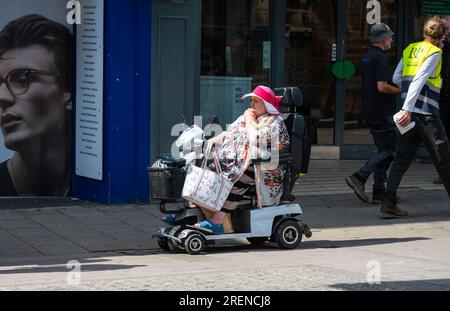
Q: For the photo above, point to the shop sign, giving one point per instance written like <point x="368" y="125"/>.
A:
<point x="343" y="70"/>
<point x="89" y="108"/>
<point x="435" y="7"/>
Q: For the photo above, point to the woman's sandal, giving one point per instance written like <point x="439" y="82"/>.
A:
<point x="210" y="227"/>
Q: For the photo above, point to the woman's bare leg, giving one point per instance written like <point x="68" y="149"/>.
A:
<point x="218" y="218"/>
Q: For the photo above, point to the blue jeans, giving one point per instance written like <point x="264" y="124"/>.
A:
<point x="385" y="139"/>
<point x="431" y="132"/>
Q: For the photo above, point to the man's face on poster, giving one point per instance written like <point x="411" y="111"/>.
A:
<point x="32" y="103"/>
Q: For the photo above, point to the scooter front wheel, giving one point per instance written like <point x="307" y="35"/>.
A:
<point x="163" y="243"/>
<point x="194" y="244"/>
<point x="173" y="245"/>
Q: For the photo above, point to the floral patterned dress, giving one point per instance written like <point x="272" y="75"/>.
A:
<point x="241" y="144"/>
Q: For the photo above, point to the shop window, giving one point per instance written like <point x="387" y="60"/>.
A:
<point x="310" y="34"/>
<point x="357" y="43"/>
<point x="235" y="55"/>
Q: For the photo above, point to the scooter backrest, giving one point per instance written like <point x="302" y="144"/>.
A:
<point x="297" y="141"/>
<point x="292" y="98"/>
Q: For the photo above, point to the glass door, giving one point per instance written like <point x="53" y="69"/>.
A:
<point x="309" y="38"/>
<point x="235" y="56"/>
<point x="359" y="19"/>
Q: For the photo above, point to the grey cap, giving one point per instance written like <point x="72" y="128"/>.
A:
<point x="380" y="31"/>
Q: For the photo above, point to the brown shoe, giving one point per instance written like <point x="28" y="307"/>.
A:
<point x="389" y="211"/>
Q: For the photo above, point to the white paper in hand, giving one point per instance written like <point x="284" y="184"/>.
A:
<point x="402" y="129"/>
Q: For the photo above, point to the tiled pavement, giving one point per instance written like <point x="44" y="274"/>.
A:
<point x="77" y="227"/>
<point x="113" y="244"/>
<point x="327" y="177"/>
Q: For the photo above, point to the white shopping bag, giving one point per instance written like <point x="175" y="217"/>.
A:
<point x="206" y="188"/>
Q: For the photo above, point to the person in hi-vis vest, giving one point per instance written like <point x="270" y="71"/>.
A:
<point x="419" y="76"/>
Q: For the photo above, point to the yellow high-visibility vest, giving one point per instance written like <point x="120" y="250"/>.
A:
<point x="415" y="55"/>
<point x="413" y="58"/>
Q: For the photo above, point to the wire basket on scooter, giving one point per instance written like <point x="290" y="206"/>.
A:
<point x="167" y="179"/>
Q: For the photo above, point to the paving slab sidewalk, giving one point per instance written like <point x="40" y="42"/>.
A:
<point x="89" y="228"/>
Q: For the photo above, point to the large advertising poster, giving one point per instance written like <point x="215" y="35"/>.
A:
<point x="36" y="70"/>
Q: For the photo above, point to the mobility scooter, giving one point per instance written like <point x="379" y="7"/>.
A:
<point x="282" y="224"/>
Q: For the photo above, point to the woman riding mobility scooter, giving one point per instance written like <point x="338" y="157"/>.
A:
<point x="282" y="224"/>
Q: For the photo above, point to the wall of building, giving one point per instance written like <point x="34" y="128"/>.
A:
<point x="126" y="106"/>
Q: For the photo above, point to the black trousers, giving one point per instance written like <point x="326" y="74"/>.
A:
<point x="385" y="139"/>
<point x="444" y="107"/>
<point x="431" y="132"/>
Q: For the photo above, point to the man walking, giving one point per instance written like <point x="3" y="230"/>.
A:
<point x="378" y="108"/>
<point x="444" y="103"/>
<point x="419" y="73"/>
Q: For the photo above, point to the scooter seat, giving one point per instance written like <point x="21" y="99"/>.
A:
<point x="246" y="206"/>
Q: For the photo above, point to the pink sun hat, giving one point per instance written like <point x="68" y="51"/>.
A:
<point x="271" y="101"/>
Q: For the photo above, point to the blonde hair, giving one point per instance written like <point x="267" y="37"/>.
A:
<point x="434" y="28"/>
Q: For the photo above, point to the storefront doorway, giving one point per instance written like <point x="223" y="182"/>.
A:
<point x="357" y="141"/>
<point x="311" y="30"/>
<point x="241" y="45"/>
<point x="318" y="35"/>
<point x="235" y="56"/>
<point x="175" y="70"/>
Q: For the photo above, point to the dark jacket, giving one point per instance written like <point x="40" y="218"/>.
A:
<point x="445" y="92"/>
